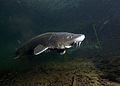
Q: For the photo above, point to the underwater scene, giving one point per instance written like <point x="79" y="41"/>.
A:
<point x="59" y="42"/>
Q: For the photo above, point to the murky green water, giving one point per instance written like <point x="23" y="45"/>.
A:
<point x="21" y="20"/>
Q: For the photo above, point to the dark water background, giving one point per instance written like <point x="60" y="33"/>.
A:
<point x="21" y="20"/>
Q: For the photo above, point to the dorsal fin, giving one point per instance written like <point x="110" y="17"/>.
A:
<point x="39" y="49"/>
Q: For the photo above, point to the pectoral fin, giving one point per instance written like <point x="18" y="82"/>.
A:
<point x="63" y="52"/>
<point x="39" y="49"/>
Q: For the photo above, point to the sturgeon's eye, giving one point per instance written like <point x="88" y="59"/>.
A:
<point x="69" y="37"/>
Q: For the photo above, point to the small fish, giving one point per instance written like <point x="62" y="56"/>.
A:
<point x="51" y="41"/>
<point x="105" y="22"/>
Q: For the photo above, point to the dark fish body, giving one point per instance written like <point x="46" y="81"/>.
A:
<point x="50" y="41"/>
<point x="32" y="43"/>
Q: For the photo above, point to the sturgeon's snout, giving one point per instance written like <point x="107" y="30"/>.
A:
<point x="80" y="38"/>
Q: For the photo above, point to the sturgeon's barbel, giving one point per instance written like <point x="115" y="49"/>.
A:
<point x="58" y="41"/>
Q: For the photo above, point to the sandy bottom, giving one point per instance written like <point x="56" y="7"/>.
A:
<point x="72" y="72"/>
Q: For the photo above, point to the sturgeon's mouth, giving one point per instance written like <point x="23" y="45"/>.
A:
<point x="78" y="40"/>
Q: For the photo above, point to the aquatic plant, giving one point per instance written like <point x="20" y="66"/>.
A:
<point x="97" y="38"/>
